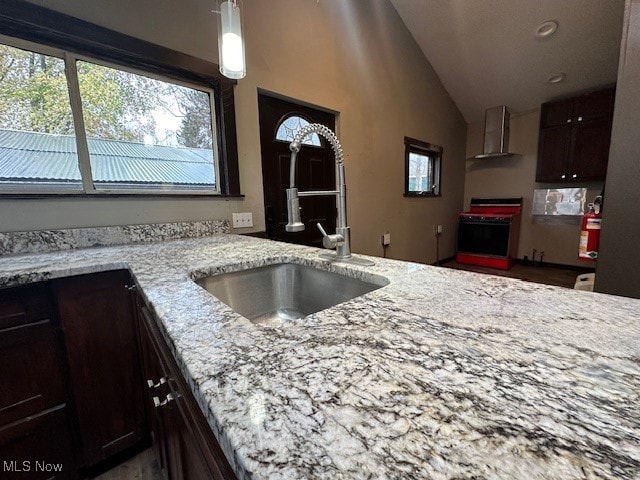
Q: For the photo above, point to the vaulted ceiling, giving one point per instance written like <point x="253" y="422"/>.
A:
<point x="486" y="52"/>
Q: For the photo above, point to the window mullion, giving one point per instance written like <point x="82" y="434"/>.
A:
<point x="82" y="146"/>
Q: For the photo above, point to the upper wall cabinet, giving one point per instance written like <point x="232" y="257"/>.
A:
<point x="575" y="134"/>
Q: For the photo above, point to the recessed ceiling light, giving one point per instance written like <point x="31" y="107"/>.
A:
<point x="546" y="29"/>
<point x="557" y="77"/>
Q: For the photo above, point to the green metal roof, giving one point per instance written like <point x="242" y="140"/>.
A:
<point x="43" y="157"/>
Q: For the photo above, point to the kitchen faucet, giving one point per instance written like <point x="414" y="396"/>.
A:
<point x="341" y="240"/>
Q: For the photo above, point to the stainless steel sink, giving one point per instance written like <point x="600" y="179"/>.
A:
<point x="283" y="291"/>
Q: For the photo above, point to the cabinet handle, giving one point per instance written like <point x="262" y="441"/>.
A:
<point x="563" y="176"/>
<point x="575" y="175"/>
<point x="579" y="119"/>
<point x="157" y="403"/>
<point x="161" y="382"/>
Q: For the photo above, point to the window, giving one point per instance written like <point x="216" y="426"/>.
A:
<point x="290" y="126"/>
<point x="559" y="201"/>
<point x="35" y="114"/>
<point x="422" y="168"/>
<point x="145" y="133"/>
<point x="73" y="124"/>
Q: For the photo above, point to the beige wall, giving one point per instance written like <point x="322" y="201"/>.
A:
<point x="355" y="58"/>
<point x="515" y="177"/>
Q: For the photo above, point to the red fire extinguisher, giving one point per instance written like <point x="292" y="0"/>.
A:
<point x="590" y="232"/>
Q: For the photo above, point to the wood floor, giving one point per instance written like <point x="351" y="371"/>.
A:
<point x="141" y="467"/>
<point x="548" y="275"/>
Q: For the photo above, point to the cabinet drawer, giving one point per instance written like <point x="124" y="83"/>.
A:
<point x="30" y="372"/>
<point x="21" y="305"/>
<point x="37" y="447"/>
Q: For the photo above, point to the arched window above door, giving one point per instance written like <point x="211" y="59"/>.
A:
<point x="291" y="125"/>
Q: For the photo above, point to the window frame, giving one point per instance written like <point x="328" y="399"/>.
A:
<point x="434" y="153"/>
<point x="31" y="27"/>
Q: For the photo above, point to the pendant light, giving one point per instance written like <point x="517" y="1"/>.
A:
<point x="230" y="40"/>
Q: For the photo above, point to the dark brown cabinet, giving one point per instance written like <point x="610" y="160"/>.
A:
<point x="182" y="439"/>
<point x="85" y="374"/>
<point x="155" y="388"/>
<point x="69" y="371"/>
<point x="33" y="409"/>
<point x="97" y="320"/>
<point x="574" y="138"/>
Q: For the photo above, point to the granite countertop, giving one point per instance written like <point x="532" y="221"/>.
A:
<point x="439" y="374"/>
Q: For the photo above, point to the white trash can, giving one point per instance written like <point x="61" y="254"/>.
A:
<point x="585" y="282"/>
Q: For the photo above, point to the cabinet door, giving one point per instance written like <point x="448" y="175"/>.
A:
<point x="556" y="114"/>
<point x="96" y="315"/>
<point x="192" y="451"/>
<point x="595" y="106"/>
<point x="176" y="449"/>
<point x="34" y="432"/>
<point x="30" y="374"/>
<point x="591" y="150"/>
<point x="155" y="375"/>
<point x="554" y="148"/>
<point x="186" y="458"/>
<point x="29" y="371"/>
<point x="38" y="447"/>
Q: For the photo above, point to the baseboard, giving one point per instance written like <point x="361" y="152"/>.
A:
<point x="575" y="268"/>
<point x="443" y="260"/>
<point x="528" y="263"/>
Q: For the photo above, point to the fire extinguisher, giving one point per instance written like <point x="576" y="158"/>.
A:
<point x="590" y="232"/>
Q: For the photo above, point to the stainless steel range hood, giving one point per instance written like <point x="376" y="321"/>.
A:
<point x="496" y="133"/>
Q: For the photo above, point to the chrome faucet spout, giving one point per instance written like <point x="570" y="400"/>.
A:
<point x="341" y="240"/>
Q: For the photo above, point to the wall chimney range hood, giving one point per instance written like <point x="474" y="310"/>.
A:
<point x="496" y="133"/>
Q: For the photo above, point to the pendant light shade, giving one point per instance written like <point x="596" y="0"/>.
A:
<point x="230" y="41"/>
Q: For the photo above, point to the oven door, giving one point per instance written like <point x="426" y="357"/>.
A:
<point x="484" y="236"/>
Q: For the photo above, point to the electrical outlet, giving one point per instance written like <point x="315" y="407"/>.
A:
<point x="242" y="220"/>
<point x="385" y="239"/>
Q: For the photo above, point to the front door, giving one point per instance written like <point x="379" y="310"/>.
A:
<point x="279" y="122"/>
